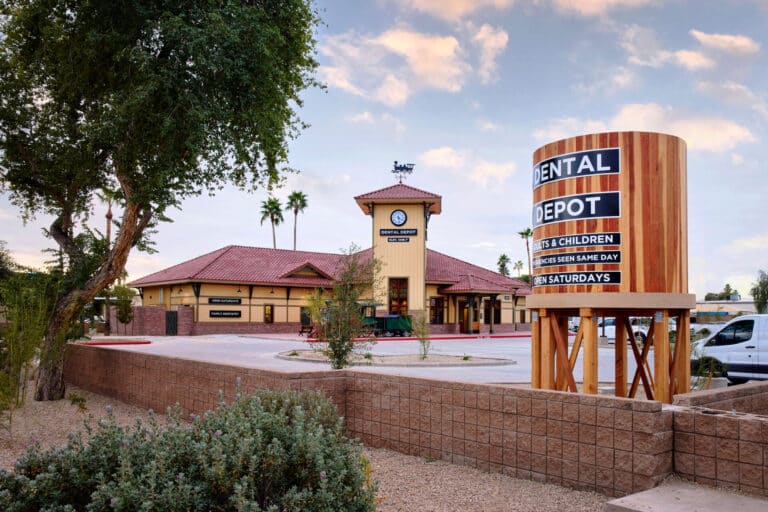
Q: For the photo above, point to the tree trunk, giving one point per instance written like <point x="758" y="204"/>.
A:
<point x="295" y="219"/>
<point x="50" y="378"/>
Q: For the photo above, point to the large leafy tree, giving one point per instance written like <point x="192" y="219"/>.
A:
<point x="161" y="100"/>
<point x="297" y="201"/>
<point x="272" y="211"/>
<point x="759" y="292"/>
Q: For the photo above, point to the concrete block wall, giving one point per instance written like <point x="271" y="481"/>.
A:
<point x="201" y="328"/>
<point x="156" y="382"/>
<point x="185" y="320"/>
<point x="147" y="321"/>
<point x="722" y="449"/>
<point x="613" y="446"/>
<point x="751" y="397"/>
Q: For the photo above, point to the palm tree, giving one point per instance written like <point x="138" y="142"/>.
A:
<point x="503" y="263"/>
<point x="525" y="235"/>
<point x="271" y="209"/>
<point x="518" y="266"/>
<point x="297" y="202"/>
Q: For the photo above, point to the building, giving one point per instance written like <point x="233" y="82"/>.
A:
<point x="253" y="289"/>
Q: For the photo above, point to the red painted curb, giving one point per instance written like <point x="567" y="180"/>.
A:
<point x="124" y="342"/>
<point x="437" y="338"/>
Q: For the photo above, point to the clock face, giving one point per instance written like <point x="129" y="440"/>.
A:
<point x="398" y="217"/>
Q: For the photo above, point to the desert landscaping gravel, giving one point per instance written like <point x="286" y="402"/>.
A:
<point x="405" y="483"/>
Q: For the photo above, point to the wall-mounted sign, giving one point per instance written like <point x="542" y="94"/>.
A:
<point x="398" y="239"/>
<point x="598" y="205"/>
<point x="581" y="240"/>
<point x="577" y="258"/>
<point x="575" y="278"/>
<point x="574" y="165"/>
<point x="397" y="232"/>
<point x="224" y="300"/>
<point x="224" y="314"/>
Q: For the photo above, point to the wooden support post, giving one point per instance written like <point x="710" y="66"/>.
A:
<point x="642" y="372"/>
<point x="661" y="382"/>
<point x="589" y="323"/>
<point x="547" y="350"/>
<point x="535" y="350"/>
<point x="680" y="368"/>
<point x="564" y="373"/>
<point x="620" y="366"/>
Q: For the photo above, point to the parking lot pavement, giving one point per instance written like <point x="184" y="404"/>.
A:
<point x="260" y="352"/>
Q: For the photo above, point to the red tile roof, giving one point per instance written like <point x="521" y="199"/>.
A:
<point x="401" y="193"/>
<point x="259" y="265"/>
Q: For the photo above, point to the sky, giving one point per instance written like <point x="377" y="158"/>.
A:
<point x="467" y="90"/>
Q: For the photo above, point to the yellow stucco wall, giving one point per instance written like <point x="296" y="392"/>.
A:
<point x="400" y="259"/>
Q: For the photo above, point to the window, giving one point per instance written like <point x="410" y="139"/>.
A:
<point x="398" y="296"/>
<point x="737" y="332"/>
<point x="436" y="310"/>
<point x="269" y="313"/>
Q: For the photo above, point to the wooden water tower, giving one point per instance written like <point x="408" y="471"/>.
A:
<point x="610" y="241"/>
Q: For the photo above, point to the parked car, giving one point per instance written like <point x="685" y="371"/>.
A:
<point x="738" y="350"/>
<point x="607" y="327"/>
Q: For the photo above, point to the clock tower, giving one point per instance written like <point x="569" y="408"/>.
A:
<point x="400" y="216"/>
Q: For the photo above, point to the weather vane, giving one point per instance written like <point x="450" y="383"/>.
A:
<point x="402" y="170"/>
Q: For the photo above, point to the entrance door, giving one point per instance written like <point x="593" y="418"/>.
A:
<point x="171" y="323"/>
<point x="469" y="320"/>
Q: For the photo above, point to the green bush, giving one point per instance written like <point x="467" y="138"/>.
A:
<point x="274" y="451"/>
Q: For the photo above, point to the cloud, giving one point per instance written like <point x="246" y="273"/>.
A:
<point x="481" y="172"/>
<point x="362" y="117"/>
<point x="734" y="44"/>
<point x="757" y="243"/>
<point x="701" y="133"/>
<point x="434" y="60"/>
<point x="734" y="93"/>
<point x="385" y="119"/>
<point x="453" y="10"/>
<point x="391" y="67"/>
<point x="445" y="157"/>
<point x="5" y="215"/>
<point x="393" y="92"/>
<point x="693" y="60"/>
<point x="568" y="127"/>
<point x="642" y="47"/>
<point x="737" y="160"/>
<point x="491" y="42"/>
<point x="487" y="126"/>
<point x="598" y="7"/>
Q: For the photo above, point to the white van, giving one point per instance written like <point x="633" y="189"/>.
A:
<point x="738" y="350"/>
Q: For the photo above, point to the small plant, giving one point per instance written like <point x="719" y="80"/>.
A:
<point x="466" y="358"/>
<point x="293" y="353"/>
<point x="78" y="400"/>
<point x="421" y="331"/>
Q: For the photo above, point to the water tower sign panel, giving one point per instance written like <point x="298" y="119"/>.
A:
<point x="609" y="214"/>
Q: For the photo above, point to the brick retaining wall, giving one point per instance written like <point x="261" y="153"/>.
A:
<point x="751" y="397"/>
<point x="611" y="445"/>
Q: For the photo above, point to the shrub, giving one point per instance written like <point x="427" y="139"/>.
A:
<point x="272" y="451"/>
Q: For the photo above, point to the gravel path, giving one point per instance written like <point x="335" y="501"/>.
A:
<point x="405" y="483"/>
